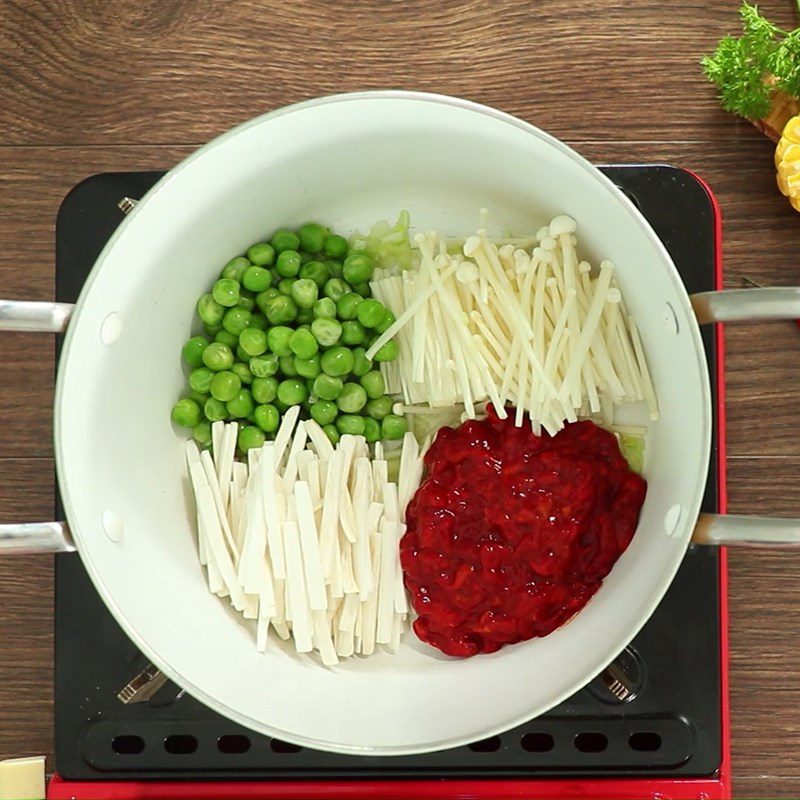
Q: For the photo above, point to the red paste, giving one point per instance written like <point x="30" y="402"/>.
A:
<point x="510" y="534"/>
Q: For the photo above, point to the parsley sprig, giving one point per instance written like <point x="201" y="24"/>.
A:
<point x="748" y="69"/>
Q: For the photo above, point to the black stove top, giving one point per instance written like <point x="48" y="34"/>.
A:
<point x="672" y="726"/>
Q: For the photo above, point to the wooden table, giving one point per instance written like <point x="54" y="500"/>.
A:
<point x="88" y="86"/>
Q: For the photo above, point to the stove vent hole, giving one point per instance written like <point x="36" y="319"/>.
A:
<point x="279" y="746"/>
<point x="233" y="743"/>
<point x="180" y="744"/>
<point x="127" y="745"/>
<point x="537" y="742"/>
<point x="490" y="745"/>
<point x="591" y="742"/>
<point x="644" y="741"/>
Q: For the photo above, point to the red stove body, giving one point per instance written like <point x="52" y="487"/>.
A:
<point x="666" y="785"/>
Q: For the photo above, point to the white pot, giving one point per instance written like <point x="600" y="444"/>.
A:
<point x="349" y="160"/>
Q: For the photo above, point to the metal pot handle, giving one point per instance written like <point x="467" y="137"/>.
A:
<point x="737" y="305"/>
<point x="35" y="537"/>
<point x="740" y="305"/>
<point x="34" y="317"/>
<point x="740" y="531"/>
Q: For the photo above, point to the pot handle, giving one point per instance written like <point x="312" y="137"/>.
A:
<point x="34" y="317"/>
<point x="739" y="305"/>
<point x="740" y="531"/>
<point x="35" y="537"/>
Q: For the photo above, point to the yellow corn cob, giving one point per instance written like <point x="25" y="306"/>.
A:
<point x="787" y="162"/>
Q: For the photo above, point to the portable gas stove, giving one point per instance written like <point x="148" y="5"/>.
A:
<point x="668" y="739"/>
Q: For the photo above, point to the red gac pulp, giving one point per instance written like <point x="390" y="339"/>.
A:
<point x="510" y="533"/>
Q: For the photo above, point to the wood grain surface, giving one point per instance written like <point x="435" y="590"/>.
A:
<point x="89" y="85"/>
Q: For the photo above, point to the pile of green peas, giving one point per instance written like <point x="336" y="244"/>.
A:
<point x="288" y="323"/>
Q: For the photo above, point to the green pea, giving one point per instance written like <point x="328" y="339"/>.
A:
<point x="257" y="279"/>
<point x="327" y="387"/>
<point x="379" y="407"/>
<point x="284" y="239"/>
<point x="267" y="418"/>
<point x="304" y="292"/>
<point x="242" y="405"/>
<point x="264" y="298"/>
<point x="362" y="289"/>
<point x="250" y="436"/>
<point x="218" y="356"/>
<point x="337" y="361"/>
<point x="281" y="311"/>
<point x="193" y="350"/>
<point x="200" y="379"/>
<point x="287" y="366"/>
<point x="352" y="399"/>
<point x="332" y="434"/>
<point x="335" y="246"/>
<point x="278" y="340"/>
<point x="292" y="392"/>
<point x="303" y="343"/>
<point x="213" y="330"/>
<point x="288" y="264"/>
<point x="253" y="341"/>
<point x="246" y="299"/>
<point x="350" y="423"/>
<point x="259" y="321"/>
<point x="393" y="427"/>
<point x="372" y="430"/>
<point x="305" y="258"/>
<point x="313" y="237"/>
<point x="186" y="413"/>
<point x="347" y="305"/>
<point x="325" y="307"/>
<point x="305" y="316"/>
<point x="308" y="367"/>
<point x="209" y="310"/>
<point x="285" y="286"/>
<point x="241" y="355"/>
<point x="261" y="254"/>
<point x="323" y="412"/>
<point x="227" y="338"/>
<point x="353" y="332"/>
<point x="370" y="313"/>
<point x="235" y="268"/>
<point x="215" y="410"/>
<point x="388" y="352"/>
<point x="361" y="364"/>
<point x="236" y="320"/>
<point x="264" y="366"/>
<point x="335" y="268"/>
<point x="264" y="390"/>
<point x="226" y="292"/>
<point x="225" y="385"/>
<point x="326" y="331"/>
<point x="335" y="288"/>
<point x="242" y="371"/>
<point x="374" y="384"/>
<point x="315" y="271"/>
<point x="387" y="321"/>
<point x="202" y="433"/>
<point x="358" y="268"/>
<point x="199" y="398"/>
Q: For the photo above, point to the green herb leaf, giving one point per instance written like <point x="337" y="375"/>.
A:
<point x="749" y="68"/>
